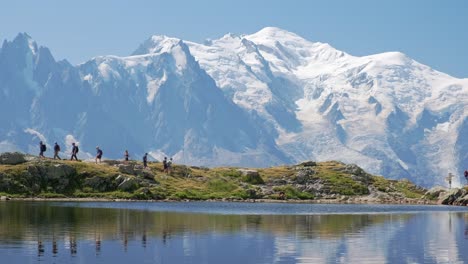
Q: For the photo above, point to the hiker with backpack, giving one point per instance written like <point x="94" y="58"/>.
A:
<point x="42" y="148"/>
<point x="165" y="168"/>
<point x="145" y="160"/>
<point x="98" y="155"/>
<point x="56" y="151"/>
<point x="126" y="155"/>
<point x="75" y="150"/>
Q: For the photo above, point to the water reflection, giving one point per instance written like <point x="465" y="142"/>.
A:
<point x="44" y="232"/>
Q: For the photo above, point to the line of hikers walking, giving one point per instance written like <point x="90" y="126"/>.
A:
<point x="167" y="164"/>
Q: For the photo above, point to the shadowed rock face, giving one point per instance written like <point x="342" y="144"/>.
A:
<point x="454" y="197"/>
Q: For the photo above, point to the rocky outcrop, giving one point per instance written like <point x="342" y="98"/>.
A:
<point x="127" y="183"/>
<point x="251" y="176"/>
<point x="308" y="164"/>
<point x="356" y="172"/>
<point x="100" y="183"/>
<point x="304" y="175"/>
<point x="56" y="177"/>
<point x="136" y="170"/>
<point x="435" y="193"/>
<point x="12" y="158"/>
<point x="454" y="197"/>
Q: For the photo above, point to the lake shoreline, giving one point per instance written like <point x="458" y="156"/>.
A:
<point x="353" y="200"/>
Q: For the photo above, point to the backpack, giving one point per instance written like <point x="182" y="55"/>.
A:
<point x="77" y="149"/>
<point x="43" y="147"/>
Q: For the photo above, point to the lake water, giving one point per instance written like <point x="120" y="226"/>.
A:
<point x="211" y="232"/>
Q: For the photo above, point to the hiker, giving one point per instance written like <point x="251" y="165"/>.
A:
<point x="169" y="166"/>
<point x="126" y="155"/>
<point x="75" y="150"/>
<point x="56" y="151"/>
<point x="98" y="155"/>
<point x="42" y="148"/>
<point x="466" y="175"/>
<point x="145" y="160"/>
<point x="165" y="165"/>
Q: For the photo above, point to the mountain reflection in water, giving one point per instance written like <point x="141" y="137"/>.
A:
<point x="65" y="233"/>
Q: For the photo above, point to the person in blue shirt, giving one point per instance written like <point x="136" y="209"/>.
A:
<point x="98" y="155"/>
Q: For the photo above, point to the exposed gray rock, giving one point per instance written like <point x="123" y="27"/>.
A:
<point x="452" y="195"/>
<point x="146" y="174"/>
<point x="57" y="171"/>
<point x="462" y="200"/>
<point x="435" y="193"/>
<point x="136" y="170"/>
<point x="12" y="158"/>
<point x="279" y="182"/>
<point x="100" y="184"/>
<point x="128" y="184"/>
<point x="308" y="164"/>
<point x="127" y="169"/>
<point x="303" y="176"/>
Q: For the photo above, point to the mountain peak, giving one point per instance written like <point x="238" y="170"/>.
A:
<point x="391" y="58"/>
<point x="157" y="44"/>
<point x="23" y="41"/>
<point x="230" y="36"/>
<point x="274" y="33"/>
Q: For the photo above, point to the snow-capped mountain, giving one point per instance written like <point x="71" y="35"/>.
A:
<point x="253" y="100"/>
<point x="385" y="112"/>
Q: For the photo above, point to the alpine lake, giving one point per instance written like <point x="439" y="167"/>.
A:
<point x="228" y="232"/>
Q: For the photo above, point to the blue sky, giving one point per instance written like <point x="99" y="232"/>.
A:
<point x="432" y="32"/>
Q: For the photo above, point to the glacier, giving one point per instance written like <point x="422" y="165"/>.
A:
<point x="263" y="99"/>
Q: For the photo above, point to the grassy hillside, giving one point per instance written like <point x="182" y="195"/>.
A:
<point x="115" y="180"/>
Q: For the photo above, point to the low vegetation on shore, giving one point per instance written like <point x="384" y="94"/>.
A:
<point x="23" y="176"/>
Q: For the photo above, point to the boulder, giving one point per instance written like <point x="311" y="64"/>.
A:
<point x="435" y="193"/>
<point x="127" y="169"/>
<point x="12" y="158"/>
<point x="127" y="184"/>
<point x="146" y="174"/>
<point x="251" y="176"/>
<point x="308" y="164"/>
